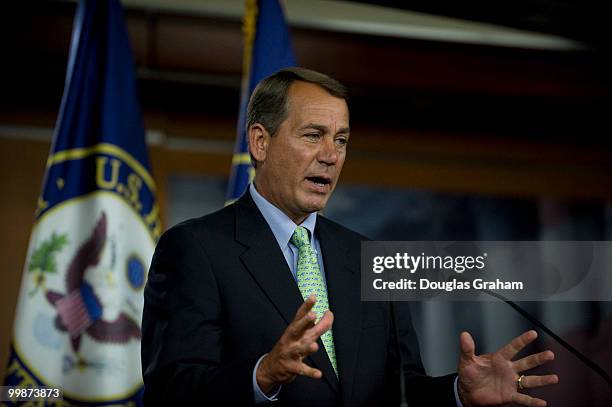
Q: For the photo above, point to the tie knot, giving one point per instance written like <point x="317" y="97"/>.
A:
<point x="300" y="237"/>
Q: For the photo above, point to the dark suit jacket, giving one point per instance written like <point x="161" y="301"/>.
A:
<point x="220" y="294"/>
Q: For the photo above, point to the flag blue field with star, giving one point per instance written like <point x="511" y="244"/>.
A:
<point x="77" y="323"/>
<point x="267" y="49"/>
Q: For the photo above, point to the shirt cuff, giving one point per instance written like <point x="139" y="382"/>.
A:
<point x="260" y="396"/>
<point x="457" y="400"/>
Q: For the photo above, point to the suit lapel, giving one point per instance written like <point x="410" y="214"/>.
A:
<point x="264" y="260"/>
<point x="343" y="290"/>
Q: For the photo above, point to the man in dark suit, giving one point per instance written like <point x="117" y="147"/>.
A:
<point x="230" y="317"/>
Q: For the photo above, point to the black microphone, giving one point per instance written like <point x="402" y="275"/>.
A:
<point x="588" y="362"/>
<point x="403" y="400"/>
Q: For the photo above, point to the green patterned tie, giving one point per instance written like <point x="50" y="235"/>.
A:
<point x="310" y="281"/>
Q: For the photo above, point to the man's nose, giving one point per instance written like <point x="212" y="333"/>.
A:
<point x="327" y="153"/>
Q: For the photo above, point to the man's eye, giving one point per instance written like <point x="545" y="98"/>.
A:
<point x="341" y="141"/>
<point x="312" y="136"/>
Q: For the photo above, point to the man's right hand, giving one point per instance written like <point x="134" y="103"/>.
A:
<point x="285" y="360"/>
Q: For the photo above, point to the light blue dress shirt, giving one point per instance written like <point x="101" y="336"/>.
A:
<point x="282" y="229"/>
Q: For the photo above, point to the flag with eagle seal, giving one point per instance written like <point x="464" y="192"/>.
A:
<point x="77" y="323"/>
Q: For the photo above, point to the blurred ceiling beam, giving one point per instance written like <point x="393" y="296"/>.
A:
<point x="370" y="19"/>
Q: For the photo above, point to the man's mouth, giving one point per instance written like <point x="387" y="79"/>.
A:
<point x="319" y="181"/>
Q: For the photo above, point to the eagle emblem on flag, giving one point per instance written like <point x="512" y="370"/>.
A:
<point x="79" y="310"/>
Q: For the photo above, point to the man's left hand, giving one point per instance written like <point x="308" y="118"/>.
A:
<point x="492" y="379"/>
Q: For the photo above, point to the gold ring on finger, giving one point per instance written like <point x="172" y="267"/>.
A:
<point x="519" y="382"/>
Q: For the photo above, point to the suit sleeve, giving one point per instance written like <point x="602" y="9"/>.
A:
<point x="421" y="390"/>
<point x="183" y="330"/>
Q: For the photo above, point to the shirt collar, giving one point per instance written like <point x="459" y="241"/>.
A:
<point x="282" y="226"/>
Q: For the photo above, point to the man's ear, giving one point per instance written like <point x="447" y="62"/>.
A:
<point x="259" y="139"/>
